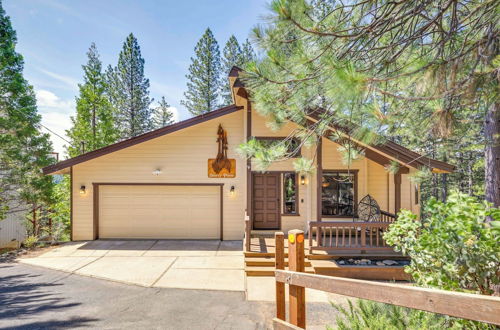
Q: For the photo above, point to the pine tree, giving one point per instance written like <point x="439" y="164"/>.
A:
<point x="24" y="149"/>
<point x="162" y="115"/>
<point x="364" y="65"/>
<point x="232" y="56"/>
<point x="248" y="53"/>
<point x="204" y="78"/>
<point x="93" y="125"/>
<point x="129" y="91"/>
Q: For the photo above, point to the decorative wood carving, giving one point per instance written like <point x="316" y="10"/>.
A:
<point x="221" y="166"/>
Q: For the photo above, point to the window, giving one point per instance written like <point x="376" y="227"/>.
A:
<point x="290" y="193"/>
<point x="338" y="190"/>
<point x="292" y="144"/>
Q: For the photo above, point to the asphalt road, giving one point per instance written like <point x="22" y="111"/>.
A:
<point x="38" y="298"/>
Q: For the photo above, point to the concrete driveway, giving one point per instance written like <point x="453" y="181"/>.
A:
<point x="184" y="264"/>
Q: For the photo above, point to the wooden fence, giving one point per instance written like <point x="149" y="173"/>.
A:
<point x="332" y="236"/>
<point x="457" y="304"/>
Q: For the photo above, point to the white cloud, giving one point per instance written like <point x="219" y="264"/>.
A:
<point x="55" y="113"/>
<point x="58" y="123"/>
<point x="68" y="81"/>
<point x="47" y="99"/>
<point x="175" y="113"/>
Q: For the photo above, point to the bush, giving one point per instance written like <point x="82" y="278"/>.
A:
<point x="30" y="241"/>
<point x="377" y="316"/>
<point x="455" y="247"/>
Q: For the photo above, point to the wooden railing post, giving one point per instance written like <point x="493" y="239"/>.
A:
<point x="363" y="238"/>
<point x="279" y="240"/>
<point x="297" y="296"/>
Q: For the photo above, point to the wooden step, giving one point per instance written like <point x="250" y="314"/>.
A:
<point x="267" y="262"/>
<point x="268" y="271"/>
<point x="261" y="254"/>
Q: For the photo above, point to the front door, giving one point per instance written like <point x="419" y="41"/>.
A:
<point x="266" y="201"/>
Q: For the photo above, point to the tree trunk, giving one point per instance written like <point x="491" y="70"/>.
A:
<point x="492" y="154"/>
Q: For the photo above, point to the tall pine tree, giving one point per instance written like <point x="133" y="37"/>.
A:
<point x="232" y="56"/>
<point x="248" y="53"/>
<point x="93" y="125"/>
<point x="129" y="91"/>
<point x="204" y="78"/>
<point x="162" y="115"/>
<point x="24" y="149"/>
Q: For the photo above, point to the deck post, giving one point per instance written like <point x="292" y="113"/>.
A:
<point x="319" y="187"/>
<point x="279" y="240"/>
<point x="297" y="294"/>
<point x="397" y="193"/>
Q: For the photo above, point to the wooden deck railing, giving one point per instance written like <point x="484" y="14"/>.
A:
<point x="457" y="304"/>
<point x="333" y="236"/>
<point x="387" y="217"/>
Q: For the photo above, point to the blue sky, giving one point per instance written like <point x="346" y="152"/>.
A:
<point x="54" y="36"/>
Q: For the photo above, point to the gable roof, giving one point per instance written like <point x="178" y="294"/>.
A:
<point x="140" y="138"/>
<point x="381" y="153"/>
<point x="394" y="151"/>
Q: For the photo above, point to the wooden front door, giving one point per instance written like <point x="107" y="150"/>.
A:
<point x="266" y="201"/>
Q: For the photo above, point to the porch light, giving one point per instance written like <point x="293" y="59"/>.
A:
<point x="302" y="179"/>
<point x="231" y="191"/>
<point x="157" y="172"/>
<point x="82" y="190"/>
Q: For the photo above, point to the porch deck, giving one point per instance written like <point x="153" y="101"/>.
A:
<point x="266" y="247"/>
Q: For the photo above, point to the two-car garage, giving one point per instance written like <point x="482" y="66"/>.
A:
<point x="176" y="211"/>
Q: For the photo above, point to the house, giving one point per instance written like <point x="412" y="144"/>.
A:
<point x="186" y="181"/>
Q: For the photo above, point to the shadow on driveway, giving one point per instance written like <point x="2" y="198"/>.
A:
<point x="24" y="295"/>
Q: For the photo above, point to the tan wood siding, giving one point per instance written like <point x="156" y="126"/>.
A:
<point x="182" y="157"/>
<point x="188" y="212"/>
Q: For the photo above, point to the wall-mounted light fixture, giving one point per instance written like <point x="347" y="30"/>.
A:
<point x="302" y="179"/>
<point x="82" y="190"/>
<point x="231" y="191"/>
<point x="157" y="172"/>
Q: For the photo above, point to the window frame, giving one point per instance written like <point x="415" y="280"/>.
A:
<point x="283" y="189"/>
<point x="353" y="172"/>
<point x="298" y="154"/>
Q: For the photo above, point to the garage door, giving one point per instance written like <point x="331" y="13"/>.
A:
<point x="190" y="212"/>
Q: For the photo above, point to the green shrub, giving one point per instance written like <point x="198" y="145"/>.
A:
<point x="30" y="241"/>
<point x="454" y="247"/>
<point x="377" y="316"/>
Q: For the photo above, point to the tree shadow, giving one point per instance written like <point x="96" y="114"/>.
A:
<point x="24" y="296"/>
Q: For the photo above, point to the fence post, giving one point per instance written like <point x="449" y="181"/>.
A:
<point x="279" y="239"/>
<point x="297" y="297"/>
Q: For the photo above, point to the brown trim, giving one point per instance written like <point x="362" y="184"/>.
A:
<point x="155" y="184"/>
<point x="249" y="165"/>
<point x="96" y="198"/>
<point x="71" y="203"/>
<point x="355" y="201"/>
<point x="319" y="177"/>
<point x="221" y="188"/>
<point x="393" y="149"/>
<point x="296" y="194"/>
<point x="95" y="188"/>
<point x="141" y="138"/>
<point x="382" y="160"/>
<point x="397" y="193"/>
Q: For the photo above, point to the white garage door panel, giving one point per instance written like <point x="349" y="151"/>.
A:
<point x="189" y="212"/>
